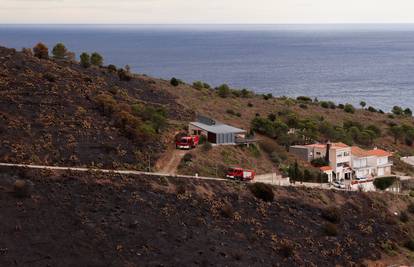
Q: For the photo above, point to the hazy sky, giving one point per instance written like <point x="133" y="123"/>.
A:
<point x="206" y="11"/>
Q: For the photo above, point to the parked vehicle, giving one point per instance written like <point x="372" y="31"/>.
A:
<point x="339" y="185"/>
<point x="240" y="174"/>
<point x="187" y="142"/>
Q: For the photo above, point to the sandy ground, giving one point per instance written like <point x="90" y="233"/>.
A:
<point x="169" y="161"/>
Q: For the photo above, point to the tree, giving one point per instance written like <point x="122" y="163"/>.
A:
<point x="41" y="51"/>
<point x="363" y="104"/>
<point x="96" y="59"/>
<point x="397" y="132"/>
<point x="59" y="51"/>
<point x="408" y="112"/>
<point x="397" y="110"/>
<point x="224" y="90"/>
<point x="384" y="182"/>
<point x="174" y="81"/>
<point x="85" y="60"/>
<point x="112" y="68"/>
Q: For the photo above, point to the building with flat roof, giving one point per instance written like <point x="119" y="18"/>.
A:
<point x="217" y="133"/>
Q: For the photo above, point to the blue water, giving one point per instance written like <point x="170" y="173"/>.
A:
<point x="374" y="63"/>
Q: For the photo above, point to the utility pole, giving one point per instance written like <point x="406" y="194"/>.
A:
<point x="149" y="162"/>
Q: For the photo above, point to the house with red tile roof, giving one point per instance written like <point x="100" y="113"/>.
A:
<point x="337" y="155"/>
<point x="370" y="163"/>
<point x="345" y="162"/>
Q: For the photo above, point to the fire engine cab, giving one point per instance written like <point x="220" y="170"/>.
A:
<point x="187" y="142"/>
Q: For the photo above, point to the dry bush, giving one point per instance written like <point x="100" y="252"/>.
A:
<point x="332" y="214"/>
<point x="227" y="210"/>
<point x="21" y="189"/>
<point x="287" y="250"/>
<point x="262" y="191"/>
<point x="330" y="229"/>
<point x="404" y="217"/>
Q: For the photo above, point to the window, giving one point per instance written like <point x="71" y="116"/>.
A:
<point x="318" y="153"/>
<point x="346" y="154"/>
<point x="339" y="155"/>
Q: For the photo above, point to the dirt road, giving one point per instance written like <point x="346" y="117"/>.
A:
<point x="168" y="163"/>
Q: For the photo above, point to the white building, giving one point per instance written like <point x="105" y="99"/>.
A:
<point x="345" y="162"/>
<point x="370" y="163"/>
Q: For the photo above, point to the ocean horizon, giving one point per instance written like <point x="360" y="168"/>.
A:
<point x="345" y="63"/>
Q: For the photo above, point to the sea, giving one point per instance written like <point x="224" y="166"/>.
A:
<point x="344" y="63"/>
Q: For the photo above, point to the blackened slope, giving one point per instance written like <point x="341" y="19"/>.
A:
<point x="82" y="219"/>
<point x="49" y="114"/>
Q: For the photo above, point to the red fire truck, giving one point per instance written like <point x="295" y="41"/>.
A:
<point x="187" y="142"/>
<point x="240" y="174"/>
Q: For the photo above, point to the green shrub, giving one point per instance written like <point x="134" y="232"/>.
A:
<point x="372" y="109"/>
<point x="124" y="75"/>
<point x="59" y="51"/>
<point x="146" y="131"/>
<point x="156" y="117"/>
<point x="41" y="51"/>
<point x="268" y="127"/>
<point x="198" y="85"/>
<point x="224" y="90"/>
<point x="362" y="104"/>
<point x="396" y="110"/>
<point x="303" y="106"/>
<point x="246" y="93"/>
<point x="304" y="98"/>
<point x="267" y="96"/>
<point x="112" y="68"/>
<point x="330" y="229"/>
<point x="85" y="60"/>
<point x="175" y="82"/>
<point x="21" y="189"/>
<point x="96" y="59"/>
<point x="384" y="182"/>
<point x="324" y="104"/>
<point x="348" y="108"/>
<point x="262" y="191"/>
<point x="408" y="112"/>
